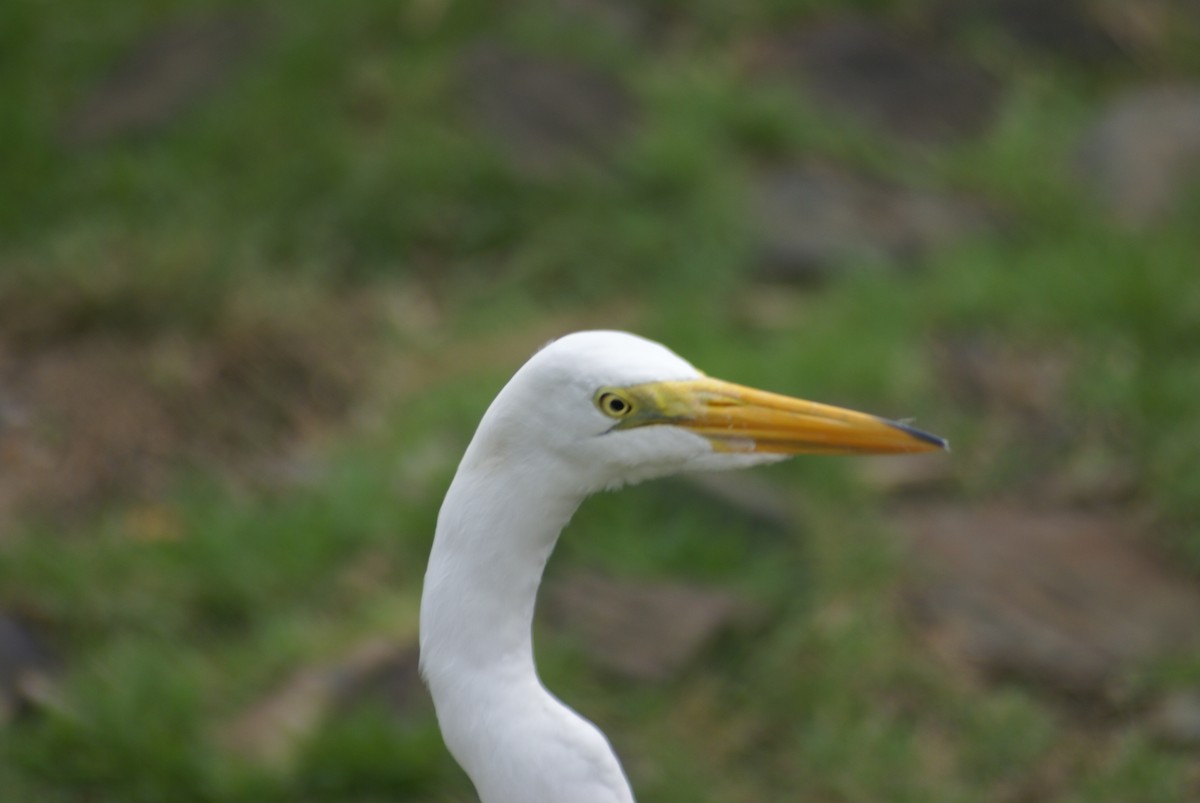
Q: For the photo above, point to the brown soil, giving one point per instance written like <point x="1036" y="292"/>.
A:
<point x="92" y="414"/>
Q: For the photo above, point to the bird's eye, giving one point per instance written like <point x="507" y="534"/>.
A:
<point x="613" y="404"/>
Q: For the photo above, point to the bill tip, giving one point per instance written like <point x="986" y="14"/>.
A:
<point x="921" y="435"/>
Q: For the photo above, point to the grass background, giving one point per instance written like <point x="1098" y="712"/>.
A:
<point x="333" y="174"/>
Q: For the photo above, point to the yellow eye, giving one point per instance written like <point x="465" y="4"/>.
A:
<point x="613" y="405"/>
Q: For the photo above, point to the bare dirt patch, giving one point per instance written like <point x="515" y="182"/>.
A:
<point x="92" y="414"/>
<point x="1068" y="600"/>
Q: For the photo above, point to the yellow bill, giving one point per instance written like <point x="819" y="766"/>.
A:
<point x="742" y="419"/>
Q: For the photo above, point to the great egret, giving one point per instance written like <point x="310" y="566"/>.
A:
<point x="590" y="411"/>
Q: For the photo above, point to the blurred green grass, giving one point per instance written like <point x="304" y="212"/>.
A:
<point x="336" y="160"/>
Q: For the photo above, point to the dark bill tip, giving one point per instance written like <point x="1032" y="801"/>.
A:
<point x="920" y="435"/>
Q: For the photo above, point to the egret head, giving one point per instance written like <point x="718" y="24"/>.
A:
<point x="611" y="408"/>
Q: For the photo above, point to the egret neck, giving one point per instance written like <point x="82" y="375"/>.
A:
<point x="516" y="741"/>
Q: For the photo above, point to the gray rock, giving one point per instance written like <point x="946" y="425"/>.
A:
<point x="627" y="20"/>
<point x="642" y="631"/>
<point x="1143" y="153"/>
<point x="1063" y="599"/>
<point x="887" y="80"/>
<point x="746" y="498"/>
<point x="165" y="73"/>
<point x="1063" y="29"/>
<point x="27" y="667"/>
<point x="547" y="116"/>
<point x="1175" y="719"/>
<point x="812" y="221"/>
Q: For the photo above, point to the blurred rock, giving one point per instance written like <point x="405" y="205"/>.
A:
<point x="627" y="20"/>
<point x="885" y="79"/>
<point x="271" y="730"/>
<point x="27" y="667"/>
<point x="1067" y="600"/>
<point x="1143" y="153"/>
<point x="1064" y="28"/>
<point x="1019" y="382"/>
<point x="643" y="631"/>
<point x="1026" y="424"/>
<point x="1142" y="29"/>
<point x="811" y="221"/>
<point x="166" y="72"/>
<point x="758" y="503"/>
<point x="1175" y="719"/>
<point x="390" y="676"/>
<point x="548" y="116"/>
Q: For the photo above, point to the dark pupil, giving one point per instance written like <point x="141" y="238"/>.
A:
<point x="616" y="405"/>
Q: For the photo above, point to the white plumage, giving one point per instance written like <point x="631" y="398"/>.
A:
<point x="591" y="411"/>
